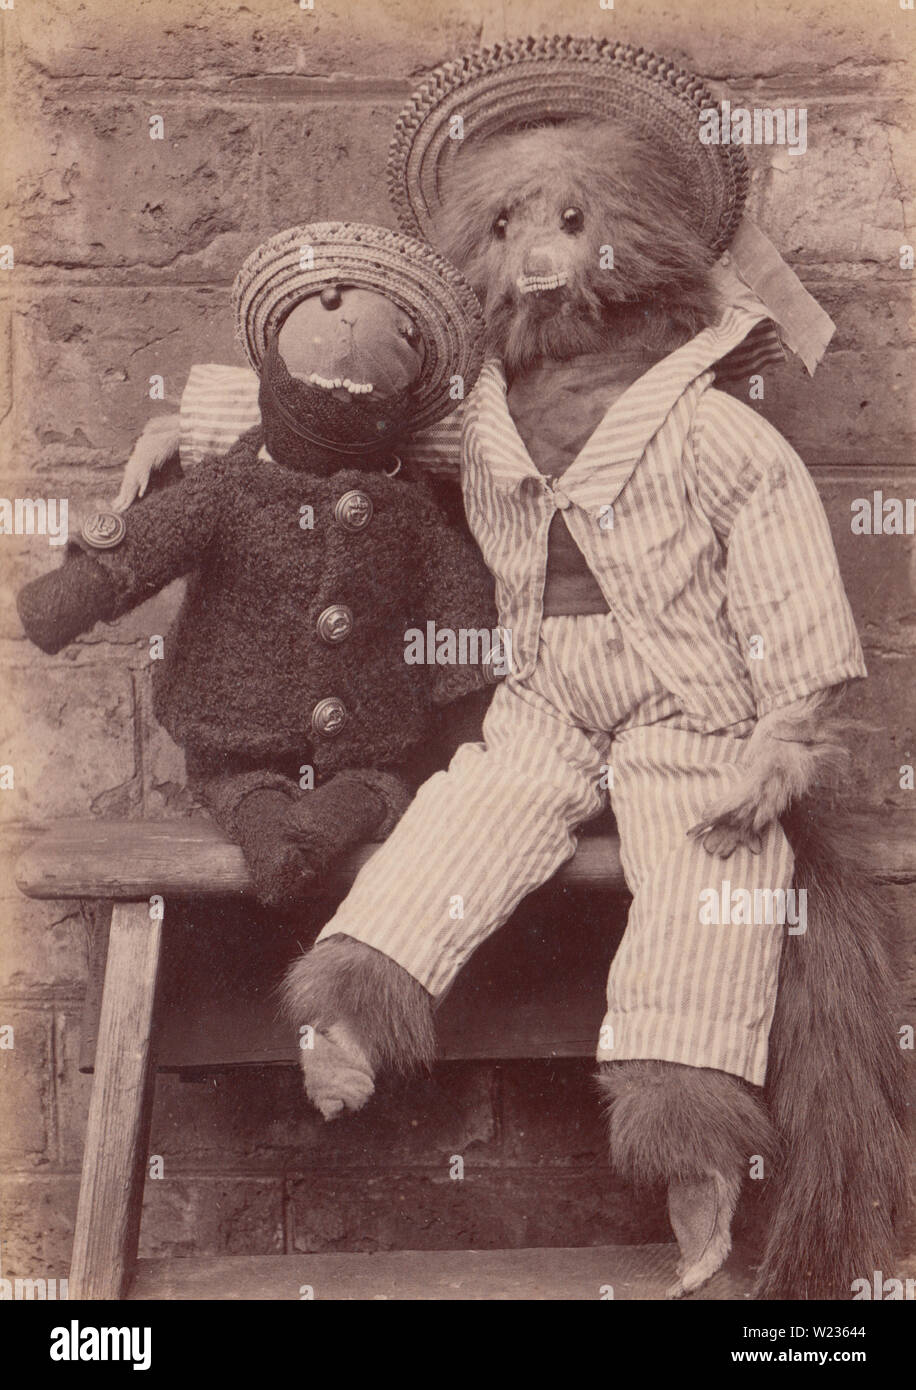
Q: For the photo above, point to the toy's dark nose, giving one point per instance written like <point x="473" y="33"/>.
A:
<point x="540" y="261"/>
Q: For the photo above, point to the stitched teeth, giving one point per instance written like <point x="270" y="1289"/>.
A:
<point x="356" y="388"/>
<point x="534" y="284"/>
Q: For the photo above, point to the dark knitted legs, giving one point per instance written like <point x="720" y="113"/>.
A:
<point x="356" y="1010"/>
<point x="695" y="1130"/>
<point x="291" y="837"/>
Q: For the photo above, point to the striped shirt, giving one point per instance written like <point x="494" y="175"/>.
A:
<point x="700" y="523"/>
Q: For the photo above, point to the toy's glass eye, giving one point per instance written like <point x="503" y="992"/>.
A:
<point x="500" y="224"/>
<point x="572" y="220"/>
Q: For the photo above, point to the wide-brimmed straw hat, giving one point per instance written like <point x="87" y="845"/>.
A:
<point x="533" y="80"/>
<point x="301" y="261"/>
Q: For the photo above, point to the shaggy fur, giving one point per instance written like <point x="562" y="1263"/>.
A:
<point x="669" y="1122"/>
<point x="835" y="1083"/>
<point x="791" y="750"/>
<point x="341" y="981"/>
<point x="659" y="292"/>
<point x="695" y="1130"/>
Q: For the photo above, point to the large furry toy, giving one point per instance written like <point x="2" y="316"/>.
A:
<point x="311" y="550"/>
<point x="680" y="637"/>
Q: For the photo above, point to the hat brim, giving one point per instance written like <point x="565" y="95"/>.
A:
<point x="301" y="261"/>
<point x="528" y="80"/>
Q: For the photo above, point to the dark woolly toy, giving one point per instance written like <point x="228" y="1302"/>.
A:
<point x="307" y="564"/>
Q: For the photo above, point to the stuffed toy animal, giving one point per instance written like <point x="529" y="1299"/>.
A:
<point x="679" y="628"/>
<point x="680" y="635"/>
<point x="311" y="553"/>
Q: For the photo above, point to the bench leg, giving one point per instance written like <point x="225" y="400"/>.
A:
<point x="117" y="1133"/>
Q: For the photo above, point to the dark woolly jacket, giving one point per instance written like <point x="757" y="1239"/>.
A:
<point x="244" y="666"/>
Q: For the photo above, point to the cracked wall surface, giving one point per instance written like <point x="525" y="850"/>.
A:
<point x="125" y="248"/>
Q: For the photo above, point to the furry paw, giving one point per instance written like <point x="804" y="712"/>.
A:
<point x="701" y="1212"/>
<point x="159" y="439"/>
<point x="337" y="1072"/>
<point x="791" y="750"/>
<point x="732" y="822"/>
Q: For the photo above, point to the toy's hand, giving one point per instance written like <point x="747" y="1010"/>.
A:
<point x="57" y="607"/>
<point x="160" y="439"/>
<point x="738" y="818"/>
<point x="791" y="750"/>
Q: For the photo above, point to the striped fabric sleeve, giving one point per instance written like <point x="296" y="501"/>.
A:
<point x="218" y="405"/>
<point x="437" y="449"/>
<point x="785" y="596"/>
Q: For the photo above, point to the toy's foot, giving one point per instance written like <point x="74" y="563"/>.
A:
<point x="338" y="1074"/>
<point x="701" y="1212"/>
<point x="282" y="868"/>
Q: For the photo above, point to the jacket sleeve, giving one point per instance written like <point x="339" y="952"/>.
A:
<point x="436" y="450"/>
<point x="218" y="405"/>
<point x="785" y="597"/>
<point x="457" y="595"/>
<point x="166" y="535"/>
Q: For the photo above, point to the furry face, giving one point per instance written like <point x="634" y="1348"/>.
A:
<point x="576" y="239"/>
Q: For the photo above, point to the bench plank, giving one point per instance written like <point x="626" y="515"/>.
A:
<point x="123" y="859"/>
<point x="120" y="859"/>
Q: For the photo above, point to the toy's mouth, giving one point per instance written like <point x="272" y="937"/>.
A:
<point x="540" y="284"/>
<point x="353" y="388"/>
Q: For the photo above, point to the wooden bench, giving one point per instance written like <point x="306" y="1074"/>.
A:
<point x="125" y="864"/>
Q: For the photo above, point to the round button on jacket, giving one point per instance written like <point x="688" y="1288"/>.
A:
<point x="329" y="716"/>
<point x="103" y="530"/>
<point x="335" y="623"/>
<point x="354" y="510"/>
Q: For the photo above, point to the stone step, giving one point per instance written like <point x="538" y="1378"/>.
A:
<point x="633" y="1272"/>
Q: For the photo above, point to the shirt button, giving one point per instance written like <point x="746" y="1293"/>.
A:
<point x="561" y="500"/>
<point x="335" y="624"/>
<point x="329" y="716"/>
<point x="354" y="510"/>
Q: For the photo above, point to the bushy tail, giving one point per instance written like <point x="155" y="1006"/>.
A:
<point x="835" y="1085"/>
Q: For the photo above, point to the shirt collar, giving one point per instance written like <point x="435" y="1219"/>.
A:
<point x="635" y="417"/>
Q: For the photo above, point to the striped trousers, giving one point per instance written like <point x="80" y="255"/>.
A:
<point x="591" y="721"/>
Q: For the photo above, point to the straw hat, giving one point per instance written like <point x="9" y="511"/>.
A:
<point x="303" y="260"/>
<point x="557" y="79"/>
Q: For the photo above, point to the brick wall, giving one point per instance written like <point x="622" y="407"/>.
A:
<point x="124" y="251"/>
